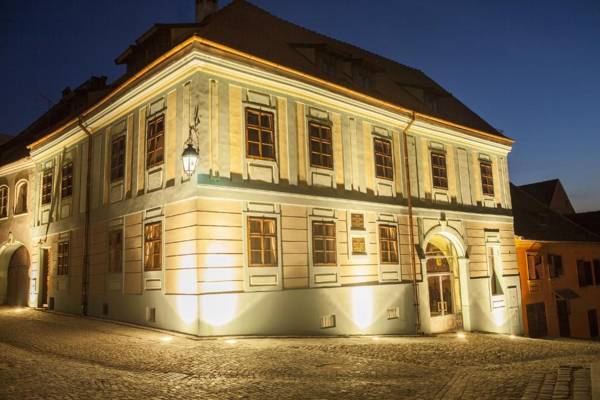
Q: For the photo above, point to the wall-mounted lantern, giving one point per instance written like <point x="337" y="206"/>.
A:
<point x="189" y="157"/>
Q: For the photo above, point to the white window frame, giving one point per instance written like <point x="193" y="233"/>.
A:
<point x="21" y="183"/>
<point x="322" y="271"/>
<point x="7" y="201"/>
<point x="384" y="134"/>
<point x="158" y="274"/>
<point x="251" y="272"/>
<point x="385" y="268"/>
<point x="250" y="162"/>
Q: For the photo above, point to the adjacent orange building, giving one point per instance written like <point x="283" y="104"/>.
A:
<point x="559" y="264"/>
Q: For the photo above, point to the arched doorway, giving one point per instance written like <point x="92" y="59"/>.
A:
<point x="443" y="284"/>
<point x="18" y="278"/>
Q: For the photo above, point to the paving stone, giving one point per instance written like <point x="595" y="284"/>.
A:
<point x="72" y="357"/>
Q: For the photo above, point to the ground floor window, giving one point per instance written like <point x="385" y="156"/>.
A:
<point x="115" y="249"/>
<point x="153" y="246"/>
<point x="388" y="244"/>
<point x="262" y="242"/>
<point x="63" y="258"/>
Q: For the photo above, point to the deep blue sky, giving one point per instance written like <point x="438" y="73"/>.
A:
<point x="530" y="68"/>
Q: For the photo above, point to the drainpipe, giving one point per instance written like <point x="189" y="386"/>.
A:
<point x="411" y="238"/>
<point x="86" y="227"/>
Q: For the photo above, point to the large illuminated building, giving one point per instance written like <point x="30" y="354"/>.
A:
<point x="249" y="176"/>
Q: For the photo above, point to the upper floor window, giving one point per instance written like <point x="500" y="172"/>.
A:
<point x="323" y="243"/>
<point x="155" y="142"/>
<point x="262" y="241"/>
<point x="487" y="179"/>
<point x="438" y="170"/>
<point x="66" y="186"/>
<point x="388" y="244"/>
<point x="63" y="258"/>
<point x="21" y="198"/>
<point x="384" y="164"/>
<point x="115" y="249"/>
<point x="534" y="267"/>
<point x="3" y="201"/>
<point x="584" y="273"/>
<point x="47" y="178"/>
<point x="153" y="246"/>
<point x="117" y="158"/>
<point x="555" y="266"/>
<point x="260" y="134"/>
<point x="321" y="148"/>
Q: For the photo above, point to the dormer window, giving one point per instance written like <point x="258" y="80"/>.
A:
<point x="362" y="77"/>
<point x="327" y="63"/>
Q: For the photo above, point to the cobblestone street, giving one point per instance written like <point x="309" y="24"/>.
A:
<point x="50" y="356"/>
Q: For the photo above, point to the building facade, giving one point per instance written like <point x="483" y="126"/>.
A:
<point x="559" y="263"/>
<point x="315" y="207"/>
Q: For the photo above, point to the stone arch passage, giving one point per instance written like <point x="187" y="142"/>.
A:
<point x="18" y="278"/>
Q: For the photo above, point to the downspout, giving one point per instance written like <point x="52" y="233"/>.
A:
<point x="411" y="238"/>
<point x="86" y="227"/>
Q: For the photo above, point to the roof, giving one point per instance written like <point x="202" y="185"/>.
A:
<point x="250" y="29"/>
<point x="4" y="138"/>
<point x="534" y="220"/>
<point x="589" y="220"/>
<point x="552" y="194"/>
<point x="566" y="294"/>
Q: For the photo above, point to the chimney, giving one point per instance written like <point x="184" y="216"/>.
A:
<point x="205" y="8"/>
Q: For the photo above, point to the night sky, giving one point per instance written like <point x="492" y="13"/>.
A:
<point x="531" y="69"/>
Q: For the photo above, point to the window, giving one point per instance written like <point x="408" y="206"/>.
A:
<point x="323" y="243"/>
<point x="534" y="267"/>
<point x="260" y="135"/>
<point x="584" y="273"/>
<point x="487" y="179"/>
<point x="555" y="266"/>
<point x="155" y="142"/>
<point x="384" y="164"/>
<point x="47" y="186"/>
<point x="63" y="258"/>
<point x="3" y="201"/>
<point x="496" y="287"/>
<point x="262" y="239"/>
<point x="321" y="149"/>
<point x="153" y="246"/>
<point x="21" y="198"/>
<point x="117" y="158"/>
<point x="388" y="244"/>
<point x="327" y="63"/>
<point x="438" y="170"/>
<point x="115" y="251"/>
<point x="357" y="221"/>
<point x="358" y="245"/>
<point x="597" y="272"/>
<point x="66" y="185"/>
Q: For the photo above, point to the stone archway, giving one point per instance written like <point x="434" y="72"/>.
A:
<point x="17" y="290"/>
<point x="444" y="296"/>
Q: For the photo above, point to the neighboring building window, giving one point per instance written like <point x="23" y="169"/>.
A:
<point x="321" y="149"/>
<point x="117" y="158"/>
<point x="155" y="142"/>
<point x="21" y="198"/>
<point x="496" y="287"/>
<point x="534" y="267"/>
<point x="47" y="186"/>
<point x="3" y="201"/>
<point x="584" y="273"/>
<point x="487" y="179"/>
<point x="115" y="251"/>
<point x="388" y="244"/>
<point x="63" y="258"/>
<point x="66" y="186"/>
<point x="262" y="240"/>
<point x="153" y="246"/>
<point x="384" y="164"/>
<point x="597" y="272"/>
<point x="323" y="243"/>
<point x="358" y="245"/>
<point x="260" y="134"/>
<point x="357" y="221"/>
<point x="555" y="266"/>
<point x="439" y="171"/>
